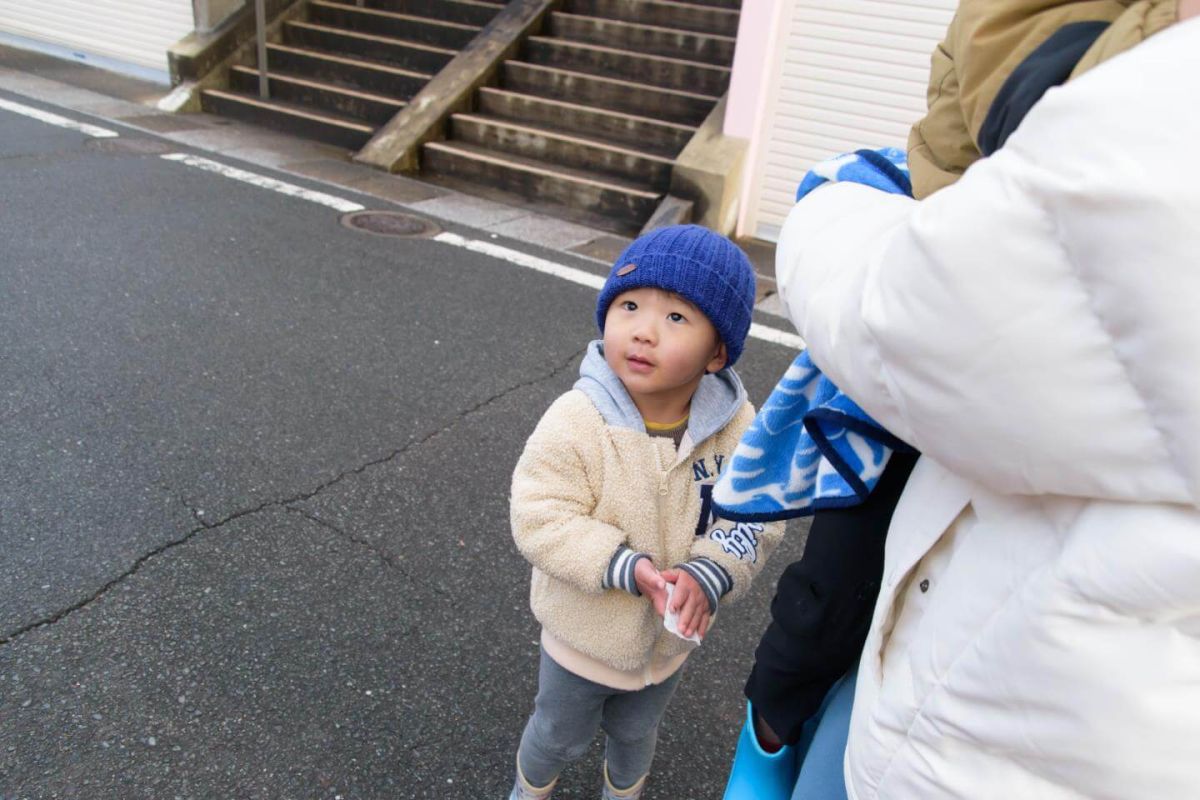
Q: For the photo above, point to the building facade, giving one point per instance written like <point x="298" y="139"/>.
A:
<point x="810" y="78"/>
<point x="816" y="78"/>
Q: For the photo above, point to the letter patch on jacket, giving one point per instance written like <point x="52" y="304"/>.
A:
<point x="706" y="510"/>
<point x="740" y="540"/>
<point x="700" y="468"/>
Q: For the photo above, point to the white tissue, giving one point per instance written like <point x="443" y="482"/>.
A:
<point x="671" y="619"/>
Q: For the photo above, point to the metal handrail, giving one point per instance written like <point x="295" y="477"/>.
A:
<point x="260" y="38"/>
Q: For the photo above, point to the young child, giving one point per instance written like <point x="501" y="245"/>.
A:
<point x="611" y="505"/>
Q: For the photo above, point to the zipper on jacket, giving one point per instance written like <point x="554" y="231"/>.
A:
<point x="662" y="472"/>
<point x="663" y="490"/>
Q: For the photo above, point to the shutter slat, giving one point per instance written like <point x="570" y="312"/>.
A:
<point x="134" y="31"/>
<point x="853" y="74"/>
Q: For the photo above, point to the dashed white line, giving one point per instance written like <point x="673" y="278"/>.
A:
<point x="263" y="182"/>
<point x="592" y="281"/>
<point x="523" y="259"/>
<point x="54" y="119"/>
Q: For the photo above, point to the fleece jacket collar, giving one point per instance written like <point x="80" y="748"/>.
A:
<point x="717" y="399"/>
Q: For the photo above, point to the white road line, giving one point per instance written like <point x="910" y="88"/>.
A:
<point x="588" y="279"/>
<point x="769" y="334"/>
<point x="263" y="182"/>
<point x="55" y="119"/>
<point x="523" y="259"/>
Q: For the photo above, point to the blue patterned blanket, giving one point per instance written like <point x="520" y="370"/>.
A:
<point x="811" y="446"/>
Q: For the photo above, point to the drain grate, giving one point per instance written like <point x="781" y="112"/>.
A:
<point x="391" y="223"/>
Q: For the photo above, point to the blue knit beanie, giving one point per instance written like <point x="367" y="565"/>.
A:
<point x="705" y="267"/>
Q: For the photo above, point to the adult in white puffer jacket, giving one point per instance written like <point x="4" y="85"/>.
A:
<point x="1034" y="330"/>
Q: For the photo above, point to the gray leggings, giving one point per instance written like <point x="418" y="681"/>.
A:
<point x="569" y="710"/>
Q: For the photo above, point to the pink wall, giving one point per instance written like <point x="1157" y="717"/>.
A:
<point x="751" y="62"/>
<point x="749" y="88"/>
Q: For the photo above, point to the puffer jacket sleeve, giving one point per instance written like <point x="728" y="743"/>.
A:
<point x="995" y="326"/>
<point x="553" y="497"/>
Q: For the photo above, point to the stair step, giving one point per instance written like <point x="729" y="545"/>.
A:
<point x="288" y="118"/>
<point x="671" y="42"/>
<point x="451" y="35"/>
<point x="732" y="5"/>
<point x="608" y="93"/>
<point x="372" y="77"/>
<point x="655" y="136"/>
<point x="398" y="52"/>
<point x="464" y="12"/>
<point x="563" y="149"/>
<point x="680" y="16"/>
<point x="371" y="109"/>
<point x="621" y="202"/>
<point x="672" y="210"/>
<point x="667" y="73"/>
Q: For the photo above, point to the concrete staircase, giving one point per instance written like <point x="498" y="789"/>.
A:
<point x="339" y="70"/>
<point x="587" y="121"/>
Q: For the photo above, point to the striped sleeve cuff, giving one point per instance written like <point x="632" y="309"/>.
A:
<point x="712" y="577"/>
<point x="619" y="574"/>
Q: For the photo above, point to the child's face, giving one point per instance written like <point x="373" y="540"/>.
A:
<point x="660" y="345"/>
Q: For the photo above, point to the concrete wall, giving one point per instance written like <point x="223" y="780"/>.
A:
<point x="209" y="14"/>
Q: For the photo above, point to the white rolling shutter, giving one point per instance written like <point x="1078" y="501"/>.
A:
<point x="135" y="32"/>
<point x="851" y="74"/>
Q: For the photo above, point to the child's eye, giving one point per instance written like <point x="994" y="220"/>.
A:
<point x="675" y="316"/>
<point x="629" y="305"/>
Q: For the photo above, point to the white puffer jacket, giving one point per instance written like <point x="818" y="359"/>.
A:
<point x="1035" y="331"/>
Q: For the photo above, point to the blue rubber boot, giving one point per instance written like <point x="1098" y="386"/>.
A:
<point x="757" y="774"/>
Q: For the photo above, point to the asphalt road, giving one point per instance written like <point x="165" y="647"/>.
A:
<point x="253" y="496"/>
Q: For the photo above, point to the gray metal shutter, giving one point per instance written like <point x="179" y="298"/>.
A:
<point x="851" y="74"/>
<point x="132" y="31"/>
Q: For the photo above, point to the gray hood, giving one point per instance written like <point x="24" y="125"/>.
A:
<point x="717" y="399"/>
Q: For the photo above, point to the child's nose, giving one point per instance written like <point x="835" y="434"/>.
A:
<point x="645" y="332"/>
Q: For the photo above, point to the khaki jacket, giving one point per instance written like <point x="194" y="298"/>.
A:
<point x="985" y="42"/>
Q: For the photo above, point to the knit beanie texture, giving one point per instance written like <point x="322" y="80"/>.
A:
<point x="705" y="267"/>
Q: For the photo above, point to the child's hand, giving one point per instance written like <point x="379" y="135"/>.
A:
<point x="689" y="602"/>
<point x="651" y="584"/>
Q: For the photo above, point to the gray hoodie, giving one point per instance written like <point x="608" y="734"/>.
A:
<point x="716" y="402"/>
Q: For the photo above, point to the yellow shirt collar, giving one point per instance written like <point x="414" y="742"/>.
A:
<point x="664" y="426"/>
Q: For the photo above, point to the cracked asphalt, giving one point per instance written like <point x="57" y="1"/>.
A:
<point x="253" y="498"/>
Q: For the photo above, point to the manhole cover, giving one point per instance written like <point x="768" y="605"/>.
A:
<point x="130" y="145"/>
<point x="390" y="223"/>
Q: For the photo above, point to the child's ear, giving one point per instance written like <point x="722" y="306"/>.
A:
<point x="719" y="359"/>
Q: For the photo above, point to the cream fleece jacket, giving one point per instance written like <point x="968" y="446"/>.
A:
<point x="587" y="496"/>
